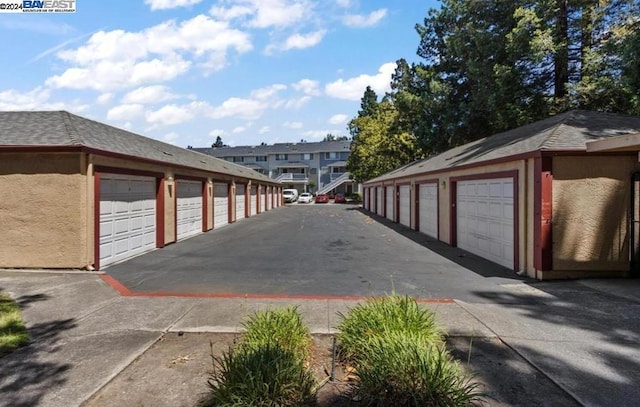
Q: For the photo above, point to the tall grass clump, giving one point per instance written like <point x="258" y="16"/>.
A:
<point x="399" y="358"/>
<point x="268" y="367"/>
<point x="381" y="316"/>
<point x="399" y="369"/>
<point x="283" y="326"/>
<point x="13" y="333"/>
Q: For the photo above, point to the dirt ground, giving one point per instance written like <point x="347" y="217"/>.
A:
<point x="174" y="372"/>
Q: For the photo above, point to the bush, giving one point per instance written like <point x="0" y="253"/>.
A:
<point x="268" y="367"/>
<point x="267" y="375"/>
<point x="13" y="333"/>
<point x="284" y="327"/>
<point x="404" y="369"/>
<point x="382" y="316"/>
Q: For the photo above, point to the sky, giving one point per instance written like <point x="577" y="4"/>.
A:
<point x="187" y="71"/>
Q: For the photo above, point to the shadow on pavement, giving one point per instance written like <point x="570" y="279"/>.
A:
<point x="586" y="339"/>
<point x="26" y="376"/>
<point x="463" y="258"/>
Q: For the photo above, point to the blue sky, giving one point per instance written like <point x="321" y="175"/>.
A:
<point x="186" y="71"/>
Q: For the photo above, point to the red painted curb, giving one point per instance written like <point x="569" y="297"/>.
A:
<point x="125" y="292"/>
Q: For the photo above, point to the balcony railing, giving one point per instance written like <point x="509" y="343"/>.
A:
<point x="292" y="177"/>
<point x="336" y="175"/>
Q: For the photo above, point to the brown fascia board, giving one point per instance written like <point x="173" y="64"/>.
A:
<point x="89" y="150"/>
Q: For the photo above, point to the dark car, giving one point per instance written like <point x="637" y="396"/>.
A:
<point x="340" y="198"/>
<point x="322" y="198"/>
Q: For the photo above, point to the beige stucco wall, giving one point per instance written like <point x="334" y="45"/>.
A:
<point x="43" y="205"/>
<point x="590" y="212"/>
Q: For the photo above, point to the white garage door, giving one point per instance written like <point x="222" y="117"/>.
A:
<point x="379" y="207"/>
<point x="389" y="198"/>
<point x="189" y="208"/>
<point x="127" y="216"/>
<point x="220" y="205"/>
<point x="263" y="199"/>
<point x="485" y="219"/>
<point x="254" y="200"/>
<point x="428" y="217"/>
<point x="365" y="198"/>
<point x="269" y="197"/>
<point x="405" y="205"/>
<point x="240" y="201"/>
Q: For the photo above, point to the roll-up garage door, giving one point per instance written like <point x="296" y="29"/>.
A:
<point x="405" y="205"/>
<point x="189" y="208"/>
<point x="263" y="199"/>
<point x="220" y="205"/>
<point x="389" y="198"/>
<point x="254" y="200"/>
<point x="240" y="201"/>
<point x="269" y="197"/>
<point x="428" y="213"/>
<point x="485" y="221"/>
<point x="127" y="216"/>
<point x="365" y="198"/>
<point x="379" y="207"/>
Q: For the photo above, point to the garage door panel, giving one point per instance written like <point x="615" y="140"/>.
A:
<point x="254" y="200"/>
<point x="428" y="208"/>
<point x="220" y="205"/>
<point x="240" y="201"/>
<point x="127" y="225"/>
<point x="405" y="205"/>
<point x="389" y="198"/>
<point x="189" y="210"/>
<point x="485" y="219"/>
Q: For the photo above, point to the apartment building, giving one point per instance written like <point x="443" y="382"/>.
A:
<point x="316" y="167"/>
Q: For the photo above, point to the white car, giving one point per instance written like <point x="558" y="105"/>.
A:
<point x="305" y="197"/>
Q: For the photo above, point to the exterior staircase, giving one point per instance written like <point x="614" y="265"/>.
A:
<point x="346" y="177"/>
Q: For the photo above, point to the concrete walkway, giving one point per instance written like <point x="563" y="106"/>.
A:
<point x="582" y="335"/>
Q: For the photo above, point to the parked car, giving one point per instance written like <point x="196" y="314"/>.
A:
<point x="322" y="198"/>
<point x="305" y="197"/>
<point x="340" y="198"/>
<point x="290" y="195"/>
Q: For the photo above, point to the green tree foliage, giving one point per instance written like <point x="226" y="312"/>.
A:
<point x="218" y="143"/>
<point x="378" y="144"/>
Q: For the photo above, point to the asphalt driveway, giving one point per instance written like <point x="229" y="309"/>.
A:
<point x="313" y="250"/>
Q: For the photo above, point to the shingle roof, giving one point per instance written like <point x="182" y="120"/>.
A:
<point x="61" y="128"/>
<point x="566" y="131"/>
<point x="279" y="148"/>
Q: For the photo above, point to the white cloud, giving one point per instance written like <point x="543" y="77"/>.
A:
<point x="307" y="86"/>
<point x="169" y="4"/>
<point x="248" y="109"/>
<point x="174" y="114"/>
<point x="292" y="125"/>
<point x="353" y="88"/>
<point x="239" y="129"/>
<point x="296" y="103"/>
<point x="338" y="119"/>
<point x="264" y="130"/>
<point x="369" y="20"/>
<point x="297" y="41"/>
<point x="268" y="92"/>
<point x="36" y="99"/>
<point x="148" y="95"/>
<point x="216" y="133"/>
<point x="170" y="138"/>
<point x="265" y="13"/>
<point x="104" y="98"/>
<point x="125" y="112"/>
<point x="230" y="13"/>
<point x="119" y="59"/>
<point x="343" y="3"/>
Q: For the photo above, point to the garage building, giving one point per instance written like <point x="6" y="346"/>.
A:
<point x="559" y="198"/>
<point x="79" y="194"/>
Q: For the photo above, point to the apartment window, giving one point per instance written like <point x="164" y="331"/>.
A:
<point x="262" y="158"/>
<point x="238" y="159"/>
<point x="282" y="157"/>
<point x="340" y="170"/>
<point x="307" y="156"/>
<point x="331" y="156"/>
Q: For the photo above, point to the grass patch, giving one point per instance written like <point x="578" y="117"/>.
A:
<point x="268" y="367"/>
<point x="405" y="370"/>
<point x="382" y="316"/>
<point x="13" y="334"/>
<point x="283" y="327"/>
